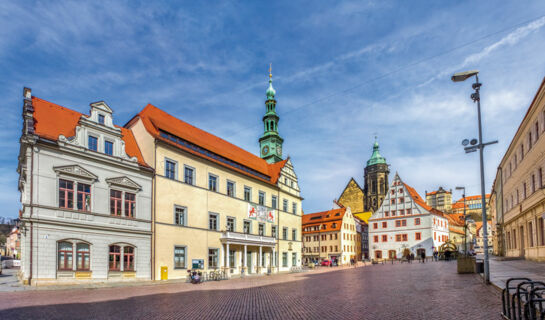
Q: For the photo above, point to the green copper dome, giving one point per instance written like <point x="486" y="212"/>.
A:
<point x="376" y="158"/>
<point x="270" y="91"/>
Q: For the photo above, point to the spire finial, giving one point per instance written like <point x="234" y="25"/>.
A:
<point x="270" y="71"/>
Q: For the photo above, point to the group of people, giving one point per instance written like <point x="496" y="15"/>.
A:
<point x="421" y="257"/>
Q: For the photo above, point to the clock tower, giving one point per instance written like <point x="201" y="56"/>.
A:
<point x="270" y="143"/>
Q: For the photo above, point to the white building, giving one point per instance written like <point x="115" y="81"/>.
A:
<point x="404" y="224"/>
<point x="85" y="194"/>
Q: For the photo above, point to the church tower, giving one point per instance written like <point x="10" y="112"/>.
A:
<point x="376" y="180"/>
<point x="270" y="143"/>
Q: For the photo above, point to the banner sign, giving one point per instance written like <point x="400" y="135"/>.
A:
<point x="260" y="213"/>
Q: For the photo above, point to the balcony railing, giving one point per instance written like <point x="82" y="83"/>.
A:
<point x="244" y="237"/>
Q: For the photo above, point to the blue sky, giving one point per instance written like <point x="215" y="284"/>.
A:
<point x="343" y="71"/>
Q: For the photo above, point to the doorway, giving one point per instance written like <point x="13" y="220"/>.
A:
<point x="419" y="252"/>
<point x="249" y="261"/>
<point x="392" y="254"/>
<point x="522" y="241"/>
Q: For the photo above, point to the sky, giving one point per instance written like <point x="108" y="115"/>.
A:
<point x="344" y="72"/>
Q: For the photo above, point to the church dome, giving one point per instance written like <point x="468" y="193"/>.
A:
<point x="376" y="158"/>
<point x="270" y="91"/>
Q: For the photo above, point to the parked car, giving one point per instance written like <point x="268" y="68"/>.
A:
<point x="326" y="263"/>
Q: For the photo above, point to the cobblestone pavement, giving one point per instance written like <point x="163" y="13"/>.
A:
<point x="501" y="270"/>
<point x="399" y="291"/>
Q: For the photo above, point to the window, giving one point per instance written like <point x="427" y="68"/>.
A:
<point x="393" y="201"/>
<point x="524" y="189"/>
<point x="231" y="258"/>
<point x="230" y="188"/>
<point x="434" y="236"/>
<point x="115" y="202"/>
<point x="294" y="258"/>
<point x="417" y="221"/>
<point x="84" y="197"/>
<point x="537" y="130"/>
<point x="530" y="140"/>
<point x="285" y="205"/>
<point x="294" y="208"/>
<point x="384" y="224"/>
<point x="170" y="169"/>
<point x="189" y="175"/>
<point x="401" y="200"/>
<point x="115" y="258"/>
<point x="401" y="212"/>
<point x="130" y="204"/>
<point x="247" y="193"/>
<point x="285" y="233"/>
<point x="179" y="257"/>
<point x="212" y="182"/>
<point x="384" y="238"/>
<point x="398" y="237"/>
<point x="398" y="223"/>
<point x="213" y="258"/>
<point x="179" y="215"/>
<point x="533" y="183"/>
<point x="108" y="147"/>
<point x="541" y="232"/>
<point x="408" y="211"/>
<point x="261" y="229"/>
<point x="261" y="198"/>
<point x="231" y="224"/>
<point x="521" y="152"/>
<point x="65" y="252"/>
<point x="128" y="259"/>
<point x="294" y="234"/>
<point x="101" y="119"/>
<point x="247" y="226"/>
<point x="393" y="213"/>
<point x="83" y="257"/>
<point x="273" y="231"/>
<point x="404" y="237"/>
<point x="284" y="259"/>
<point x="212" y="221"/>
<point x="403" y="223"/>
<point x="418" y="236"/>
<point x="274" y="202"/>
<point x="386" y="213"/>
<point x="375" y="238"/>
<point x="92" y="143"/>
<point x="540" y="178"/>
<point x="66" y="194"/>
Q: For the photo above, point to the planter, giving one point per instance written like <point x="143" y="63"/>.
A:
<point x="466" y="264"/>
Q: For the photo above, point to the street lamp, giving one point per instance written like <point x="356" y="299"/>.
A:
<point x="458" y="77"/>
<point x="465" y="217"/>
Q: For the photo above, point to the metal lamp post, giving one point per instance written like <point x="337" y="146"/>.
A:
<point x="458" y="77"/>
<point x="465" y="218"/>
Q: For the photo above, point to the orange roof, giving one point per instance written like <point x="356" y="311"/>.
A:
<point x="458" y="205"/>
<point x="454" y="219"/>
<point x="52" y="120"/>
<point x="156" y="120"/>
<point x="416" y="197"/>
<point x="325" y="217"/>
<point x="455" y="230"/>
<point x="473" y="198"/>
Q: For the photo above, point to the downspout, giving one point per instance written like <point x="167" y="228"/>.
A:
<point x="31" y="211"/>
<point x="154" y="205"/>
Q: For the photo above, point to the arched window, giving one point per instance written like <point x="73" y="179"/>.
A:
<point x="83" y="256"/>
<point x="128" y="259"/>
<point x="65" y="254"/>
<point x="115" y="258"/>
<point x="381" y="186"/>
<point x="373" y="186"/>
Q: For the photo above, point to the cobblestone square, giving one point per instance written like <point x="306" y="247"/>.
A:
<point x="400" y="291"/>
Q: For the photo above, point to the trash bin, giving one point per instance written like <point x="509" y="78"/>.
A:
<point x="164" y="273"/>
<point x="479" y="266"/>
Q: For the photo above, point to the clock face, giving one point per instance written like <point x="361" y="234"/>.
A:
<point x="265" y="150"/>
<point x="279" y="150"/>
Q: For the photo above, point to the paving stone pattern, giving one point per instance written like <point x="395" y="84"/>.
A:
<point x="399" y="291"/>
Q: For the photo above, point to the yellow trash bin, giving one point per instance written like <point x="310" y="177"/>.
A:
<point x="164" y="273"/>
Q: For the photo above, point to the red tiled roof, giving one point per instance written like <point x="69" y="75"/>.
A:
<point x="325" y="217"/>
<point x="454" y="219"/>
<point x="416" y="198"/>
<point x="155" y="120"/>
<point x="473" y="198"/>
<point x="52" y="120"/>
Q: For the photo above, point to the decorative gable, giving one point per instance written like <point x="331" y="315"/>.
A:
<point x="75" y="171"/>
<point x="124" y="182"/>
<point x="352" y="196"/>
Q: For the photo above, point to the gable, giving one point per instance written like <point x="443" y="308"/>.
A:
<point x="352" y="196"/>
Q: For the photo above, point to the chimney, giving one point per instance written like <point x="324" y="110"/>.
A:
<point x="27" y="93"/>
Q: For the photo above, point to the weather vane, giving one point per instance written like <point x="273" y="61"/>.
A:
<point x="270" y="70"/>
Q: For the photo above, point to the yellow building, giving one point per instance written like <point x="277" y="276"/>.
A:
<point x="519" y="197"/>
<point x="440" y="199"/>
<point x="331" y="235"/>
<point x="217" y="206"/>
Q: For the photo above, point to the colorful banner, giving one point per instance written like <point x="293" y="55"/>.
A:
<point x="260" y="213"/>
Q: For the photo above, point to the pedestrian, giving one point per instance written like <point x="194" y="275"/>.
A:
<point x="447" y="255"/>
<point x="423" y="256"/>
<point x="411" y="257"/>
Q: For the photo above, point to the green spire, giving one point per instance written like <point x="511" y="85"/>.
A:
<point x="270" y="143"/>
<point x="376" y="158"/>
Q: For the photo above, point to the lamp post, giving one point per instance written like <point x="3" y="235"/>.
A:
<point x="465" y="217"/>
<point x="458" y="77"/>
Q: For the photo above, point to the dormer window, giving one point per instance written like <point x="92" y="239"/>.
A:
<point x="108" y="148"/>
<point x="93" y="143"/>
<point x="101" y="118"/>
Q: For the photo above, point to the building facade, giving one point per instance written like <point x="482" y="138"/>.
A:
<point x="13" y="243"/>
<point x="472" y="205"/>
<point x="376" y="180"/>
<point x="85" y="194"/>
<point x="217" y="206"/>
<point x="440" y="199"/>
<point x="331" y="235"/>
<point x="519" y="187"/>
<point x="405" y="224"/>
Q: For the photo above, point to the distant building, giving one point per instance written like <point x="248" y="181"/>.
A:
<point x="479" y="239"/>
<point x="86" y="197"/>
<point x="405" y="224"/>
<point x="13" y="243"/>
<point x="440" y="199"/>
<point x="332" y="235"/>
<point x="473" y="206"/>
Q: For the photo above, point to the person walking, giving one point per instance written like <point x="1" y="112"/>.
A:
<point x="423" y="256"/>
<point x="411" y="257"/>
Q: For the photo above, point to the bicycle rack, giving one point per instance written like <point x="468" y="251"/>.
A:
<point x="522" y="297"/>
<point x="505" y="296"/>
<point x="537" y="297"/>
